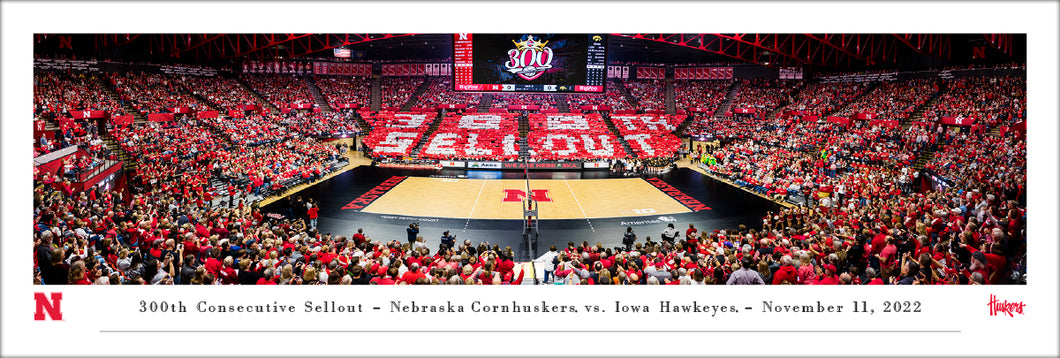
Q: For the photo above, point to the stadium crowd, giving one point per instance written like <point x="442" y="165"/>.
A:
<point x="397" y="91"/>
<point x="611" y="97"/>
<point x="826" y="98"/>
<point x="345" y="89"/>
<point x="763" y="95"/>
<point x="281" y="91"/>
<point x="650" y="95"/>
<point x="441" y="92"/>
<point x="153" y="93"/>
<point x="700" y="94"/>
<point x="223" y="93"/>
<point x="992" y="100"/>
<point x="474" y="137"/>
<point x="56" y="94"/>
<point x="865" y="221"/>
<point x="894" y="100"/>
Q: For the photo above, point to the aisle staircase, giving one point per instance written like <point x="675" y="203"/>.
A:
<point x="611" y="127"/>
<point x="377" y="93"/>
<point x="620" y="86"/>
<point x="561" y="103"/>
<point x="365" y="127"/>
<point x="415" y="97"/>
<point x="524" y="134"/>
<point x="730" y="95"/>
<point x="317" y="96"/>
<point x="786" y="101"/>
<point x="922" y="159"/>
<point x="684" y="124"/>
<point x="671" y="106"/>
<point x="126" y="105"/>
<point x="485" y="102"/>
<point x="868" y="90"/>
<point x="918" y="114"/>
<point x="127" y="162"/>
<point x="203" y="100"/>
<point x="261" y="99"/>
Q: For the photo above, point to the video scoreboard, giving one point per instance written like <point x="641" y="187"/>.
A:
<point x="530" y="62"/>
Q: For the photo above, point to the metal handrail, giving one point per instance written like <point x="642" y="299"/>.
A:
<point x="107" y="164"/>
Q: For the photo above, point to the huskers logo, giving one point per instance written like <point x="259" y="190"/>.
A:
<point x="53" y="307"/>
<point x="530" y="58"/>
<point x="516" y="195"/>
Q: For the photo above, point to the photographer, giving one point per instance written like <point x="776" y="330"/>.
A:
<point x="413" y="231"/>
<point x="448" y="240"/>
<point x="670" y="234"/>
<point x="629" y="238"/>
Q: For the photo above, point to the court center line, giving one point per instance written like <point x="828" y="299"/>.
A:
<point x="474" y="206"/>
<point x="579" y="205"/>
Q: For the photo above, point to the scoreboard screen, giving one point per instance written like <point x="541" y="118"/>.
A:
<point x="530" y="62"/>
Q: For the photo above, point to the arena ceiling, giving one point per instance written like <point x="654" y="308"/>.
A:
<point x="822" y="51"/>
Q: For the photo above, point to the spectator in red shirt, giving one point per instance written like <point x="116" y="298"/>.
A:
<point x="888" y="259"/>
<point x="413" y="274"/>
<point x="313" y="213"/>
<point x="267" y="277"/>
<point x="786" y="274"/>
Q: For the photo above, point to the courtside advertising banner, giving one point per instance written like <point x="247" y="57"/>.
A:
<point x="483" y="165"/>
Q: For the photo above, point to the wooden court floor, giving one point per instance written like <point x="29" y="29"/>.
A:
<point x="485" y="199"/>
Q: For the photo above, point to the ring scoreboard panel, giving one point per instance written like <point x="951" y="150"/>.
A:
<point x="530" y="62"/>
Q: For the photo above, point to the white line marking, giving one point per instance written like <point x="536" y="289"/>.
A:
<point x="579" y="205"/>
<point x="475" y="205"/>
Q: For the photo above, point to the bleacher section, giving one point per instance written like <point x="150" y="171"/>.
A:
<point x="700" y="96"/>
<point x="824" y="98"/>
<point x="763" y="96"/>
<point x="56" y="94"/>
<point x="503" y="100"/>
<point x="397" y="91"/>
<point x="988" y="100"/>
<point x="152" y="93"/>
<point x="611" y="98"/>
<point x="342" y="91"/>
<point x="894" y="101"/>
<point x="223" y="93"/>
<point x="649" y="94"/>
<point x="282" y="91"/>
<point x="441" y="92"/>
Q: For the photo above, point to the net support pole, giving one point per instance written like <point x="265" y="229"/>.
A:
<point x="530" y="215"/>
